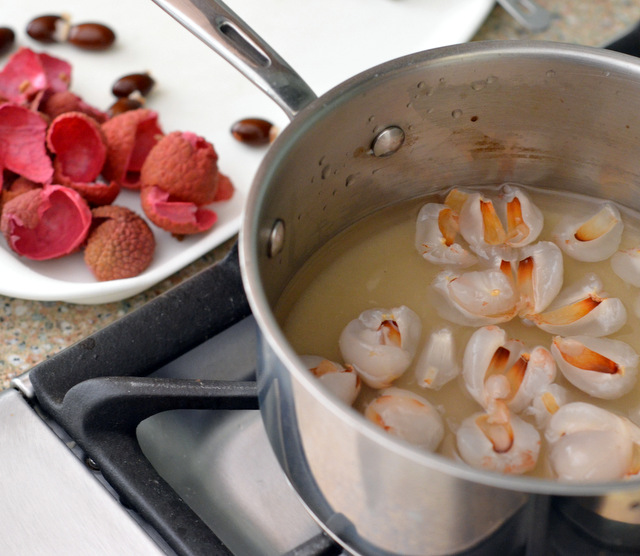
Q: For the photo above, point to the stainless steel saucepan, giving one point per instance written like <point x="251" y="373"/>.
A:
<point x="548" y="115"/>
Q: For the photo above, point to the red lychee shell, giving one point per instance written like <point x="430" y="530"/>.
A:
<point x="120" y="244"/>
<point x="22" y="144"/>
<point x="185" y="166"/>
<point x="17" y="187"/>
<point x="177" y="217"/>
<point x="225" y="188"/>
<point x="80" y="148"/>
<point x="46" y="223"/>
<point x="29" y="75"/>
<point x="57" y="72"/>
<point x="129" y="136"/>
<point x="66" y="101"/>
<point x="95" y="193"/>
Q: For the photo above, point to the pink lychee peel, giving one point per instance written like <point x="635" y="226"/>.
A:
<point x="46" y="223"/>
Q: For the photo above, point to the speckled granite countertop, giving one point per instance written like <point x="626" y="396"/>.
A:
<point x="31" y="331"/>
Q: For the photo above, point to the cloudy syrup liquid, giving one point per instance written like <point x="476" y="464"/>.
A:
<point x="374" y="264"/>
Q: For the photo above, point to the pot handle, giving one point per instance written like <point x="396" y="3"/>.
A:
<point x="228" y="35"/>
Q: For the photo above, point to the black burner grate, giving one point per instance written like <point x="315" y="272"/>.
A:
<point x="99" y="390"/>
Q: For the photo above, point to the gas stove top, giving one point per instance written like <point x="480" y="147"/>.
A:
<point x="218" y="462"/>
<point x="145" y="438"/>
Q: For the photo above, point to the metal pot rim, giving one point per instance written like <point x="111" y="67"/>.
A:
<point x="607" y="61"/>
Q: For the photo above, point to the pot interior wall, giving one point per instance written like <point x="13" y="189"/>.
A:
<point x="549" y="116"/>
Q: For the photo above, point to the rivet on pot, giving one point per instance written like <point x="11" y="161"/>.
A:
<point x="388" y="141"/>
<point x="276" y="238"/>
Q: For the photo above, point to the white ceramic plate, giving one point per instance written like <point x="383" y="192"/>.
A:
<point x="326" y="41"/>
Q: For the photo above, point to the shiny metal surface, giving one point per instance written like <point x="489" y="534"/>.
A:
<point x="551" y="116"/>
<point x="547" y="115"/>
<point x="276" y="238"/>
<point x="51" y="503"/>
<point x="220" y="462"/>
<point x="221" y="29"/>
<point x="231" y="479"/>
<point x="388" y="141"/>
<point x="23" y="384"/>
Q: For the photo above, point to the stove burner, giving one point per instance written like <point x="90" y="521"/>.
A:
<point x="111" y="392"/>
<point x="100" y="390"/>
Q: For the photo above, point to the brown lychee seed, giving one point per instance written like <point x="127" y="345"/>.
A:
<point x="120" y="244"/>
<point x="91" y="36"/>
<point x="254" y="132"/>
<point x="49" y="29"/>
<point x="7" y="39"/>
<point x="124" y="104"/>
<point x="142" y="83"/>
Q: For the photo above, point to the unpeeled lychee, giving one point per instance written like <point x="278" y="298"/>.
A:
<point x="179" y="177"/>
<point x="120" y="244"/>
<point x="46" y="223"/>
<point x="183" y="165"/>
